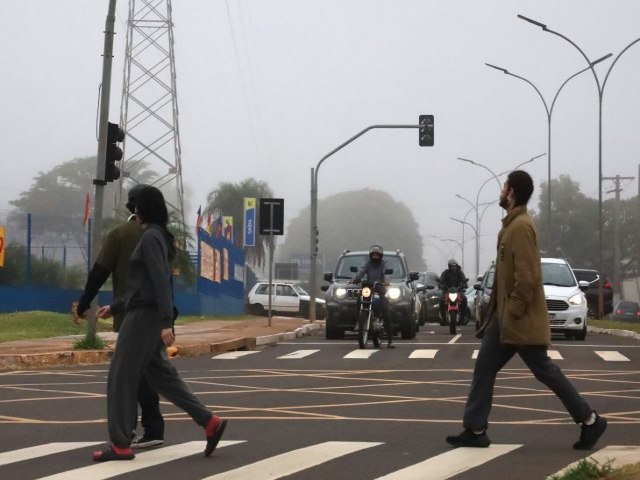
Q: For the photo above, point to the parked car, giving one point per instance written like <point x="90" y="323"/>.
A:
<point x="626" y="311"/>
<point x="481" y="300"/>
<point x="288" y="298"/>
<point x="566" y="300"/>
<point x="341" y="301"/>
<point x="428" y="299"/>
<point x="592" y="293"/>
<point x="470" y="293"/>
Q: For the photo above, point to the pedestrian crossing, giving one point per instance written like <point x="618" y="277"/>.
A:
<point x="418" y="354"/>
<point x="447" y="464"/>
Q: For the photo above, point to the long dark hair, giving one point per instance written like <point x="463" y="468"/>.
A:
<point x="151" y="208"/>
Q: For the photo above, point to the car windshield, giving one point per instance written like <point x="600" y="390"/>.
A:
<point x="630" y="307"/>
<point x="343" y="270"/>
<point x="299" y="290"/>
<point x="557" y="274"/>
<point x="489" y="278"/>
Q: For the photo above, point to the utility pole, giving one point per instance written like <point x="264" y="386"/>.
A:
<point x="616" y="231"/>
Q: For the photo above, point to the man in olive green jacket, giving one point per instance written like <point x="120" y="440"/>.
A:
<point x="517" y="322"/>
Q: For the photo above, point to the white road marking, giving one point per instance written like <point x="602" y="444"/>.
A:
<point x="298" y="354"/>
<point x="294" y="461"/>
<point x="474" y="355"/>
<point x="360" y="353"/>
<point x="455" y="339"/>
<point x="100" y="471"/>
<point x="449" y="464"/>
<point x="41" y="451"/>
<point x="611" y="356"/>
<point x="554" y="355"/>
<point x="234" y="355"/>
<point x="423" y="353"/>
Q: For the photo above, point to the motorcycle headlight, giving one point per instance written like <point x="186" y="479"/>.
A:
<point x="453" y="297"/>
<point x="394" y="293"/>
<point x="576" y="299"/>
<point x="339" y="293"/>
<point x="366" y="292"/>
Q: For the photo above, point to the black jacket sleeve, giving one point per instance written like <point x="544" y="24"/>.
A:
<point x="97" y="276"/>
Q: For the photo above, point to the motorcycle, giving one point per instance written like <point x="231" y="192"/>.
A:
<point x="453" y="300"/>
<point x="370" y="322"/>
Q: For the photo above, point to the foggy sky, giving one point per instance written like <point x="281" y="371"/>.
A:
<point x="267" y="87"/>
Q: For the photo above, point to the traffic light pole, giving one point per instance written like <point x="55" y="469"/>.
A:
<point x="313" y="214"/>
<point x="99" y="181"/>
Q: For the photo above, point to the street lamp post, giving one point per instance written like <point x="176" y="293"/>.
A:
<point x="600" y="96"/>
<point x="463" y="223"/>
<point x="549" y="112"/>
<point x="476" y="208"/>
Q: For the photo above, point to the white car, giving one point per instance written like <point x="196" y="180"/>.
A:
<point x="566" y="300"/>
<point x="287" y="297"/>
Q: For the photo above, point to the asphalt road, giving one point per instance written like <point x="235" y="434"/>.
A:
<point x="312" y="408"/>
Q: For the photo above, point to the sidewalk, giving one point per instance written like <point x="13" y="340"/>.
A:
<point x="197" y="338"/>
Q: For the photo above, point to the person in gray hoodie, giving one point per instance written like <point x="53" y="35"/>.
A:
<point x="145" y="333"/>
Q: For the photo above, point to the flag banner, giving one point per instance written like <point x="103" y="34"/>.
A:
<point x="87" y="212"/>
<point x="209" y="223"/>
<point x="3" y="237"/>
<point x="199" y="220"/>
<point x="228" y="227"/>
<point x="249" y="230"/>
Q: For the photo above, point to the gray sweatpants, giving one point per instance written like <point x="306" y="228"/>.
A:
<point x="493" y="356"/>
<point x="140" y="351"/>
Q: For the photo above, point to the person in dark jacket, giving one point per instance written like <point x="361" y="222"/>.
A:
<point x="373" y="270"/>
<point x="113" y="260"/>
<point x="516" y="322"/>
<point x="145" y="332"/>
<point x="454" y="277"/>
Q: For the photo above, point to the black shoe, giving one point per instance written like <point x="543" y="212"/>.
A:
<point x="145" y="442"/>
<point x="590" y="434"/>
<point x="390" y="345"/>
<point x="469" y="439"/>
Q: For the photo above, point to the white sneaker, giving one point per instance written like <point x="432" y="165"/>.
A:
<point x="146" y="442"/>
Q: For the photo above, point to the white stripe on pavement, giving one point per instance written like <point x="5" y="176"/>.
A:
<point x="554" y="355"/>
<point x="455" y="339"/>
<point x="100" y="471"/>
<point x="41" y="450"/>
<point x="611" y="356"/>
<point x="298" y="354"/>
<point x="292" y="462"/>
<point x="234" y="355"/>
<point x="450" y="463"/>
<point x="360" y="353"/>
<point x="423" y="353"/>
<point x="474" y="355"/>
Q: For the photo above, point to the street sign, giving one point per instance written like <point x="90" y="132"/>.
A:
<point x="271" y="216"/>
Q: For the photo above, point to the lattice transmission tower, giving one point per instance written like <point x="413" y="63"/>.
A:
<point x="149" y="108"/>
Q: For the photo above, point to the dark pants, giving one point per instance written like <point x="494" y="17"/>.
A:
<point x="140" y="352"/>
<point x="150" y="415"/>
<point x="493" y="356"/>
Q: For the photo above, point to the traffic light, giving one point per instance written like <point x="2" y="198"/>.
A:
<point x="115" y="135"/>
<point x="317" y="238"/>
<point x="425" y="132"/>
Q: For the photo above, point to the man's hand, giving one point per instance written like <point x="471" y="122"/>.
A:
<point x="77" y="319"/>
<point x="168" y="337"/>
<point x="103" y="312"/>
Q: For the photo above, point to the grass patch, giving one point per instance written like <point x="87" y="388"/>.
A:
<point x="612" y="324"/>
<point x="589" y="469"/>
<point x="37" y="324"/>
<point x="90" y="343"/>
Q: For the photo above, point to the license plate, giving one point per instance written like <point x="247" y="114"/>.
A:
<point x="552" y="317"/>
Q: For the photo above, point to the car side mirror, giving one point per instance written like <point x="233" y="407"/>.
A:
<point x="413" y="276"/>
<point x="583" y="285"/>
<point x="478" y="286"/>
<point x="324" y="288"/>
<point x="328" y="277"/>
<point x="421" y="288"/>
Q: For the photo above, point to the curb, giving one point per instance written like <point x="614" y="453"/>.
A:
<point x="613" y="331"/>
<point x="88" y="357"/>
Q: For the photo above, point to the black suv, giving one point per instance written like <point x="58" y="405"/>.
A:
<point x="429" y="298"/>
<point x="592" y="293"/>
<point x="341" y="301"/>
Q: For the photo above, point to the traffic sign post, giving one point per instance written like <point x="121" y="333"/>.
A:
<point x="271" y="223"/>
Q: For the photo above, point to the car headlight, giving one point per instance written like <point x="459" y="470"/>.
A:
<point x="339" y="293"/>
<point x="433" y="297"/>
<point x="576" y="299"/>
<point x="394" y="293"/>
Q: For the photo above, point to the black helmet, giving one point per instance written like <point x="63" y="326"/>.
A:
<point x="133" y="195"/>
<point x="452" y="263"/>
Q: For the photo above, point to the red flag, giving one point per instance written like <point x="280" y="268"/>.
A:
<point x="87" y="211"/>
<point x="199" y="220"/>
<point x="209" y="223"/>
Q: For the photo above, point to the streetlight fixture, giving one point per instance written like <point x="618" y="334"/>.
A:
<point x="463" y="223"/>
<point x="476" y="207"/>
<point x="600" y="95"/>
<point x="549" y="111"/>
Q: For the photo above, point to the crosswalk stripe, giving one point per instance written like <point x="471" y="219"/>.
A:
<point x="292" y="462"/>
<point x="423" y="353"/>
<point x="298" y="354"/>
<point x="234" y="355"/>
<point x="450" y="463"/>
<point x="611" y="356"/>
<point x="360" y="353"/>
<point x="474" y="355"/>
<point x="554" y="355"/>
<point x="40" y="451"/>
<point x="100" y="471"/>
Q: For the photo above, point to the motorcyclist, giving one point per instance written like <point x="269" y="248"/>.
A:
<point x="453" y="276"/>
<point x="373" y="270"/>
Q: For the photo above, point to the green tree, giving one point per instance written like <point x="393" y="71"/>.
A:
<point x="228" y="199"/>
<point x="354" y="220"/>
